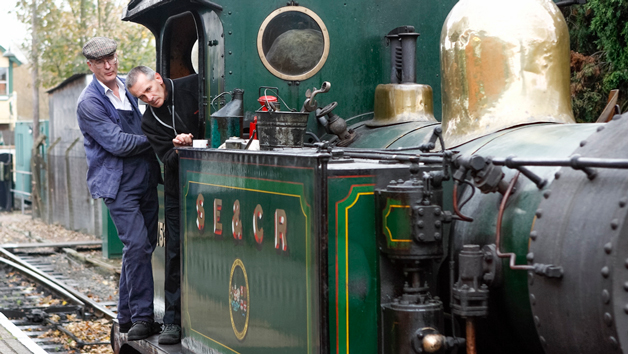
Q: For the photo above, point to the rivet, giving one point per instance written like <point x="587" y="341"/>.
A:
<point x="622" y="202"/>
<point x="230" y="72"/>
<point x="530" y="257"/>
<point x="229" y="32"/>
<point x="583" y="143"/>
<point x="626" y="309"/>
<point x="614" y="343"/>
<point x="626" y="286"/>
<point x="608" y="248"/>
<point x="229" y="12"/>
<point x="614" y="224"/>
<point x="531" y="278"/>
<point x="421" y="211"/>
<point x="557" y="175"/>
<point x="537" y="322"/>
<point x="230" y="53"/>
<point x="533" y="299"/>
<point x="547" y="194"/>
<point x="606" y="297"/>
<point x="600" y="128"/>
<point x="608" y="319"/>
<point x="605" y="272"/>
<point x="543" y="341"/>
<point x="539" y="213"/>
<point x="533" y="235"/>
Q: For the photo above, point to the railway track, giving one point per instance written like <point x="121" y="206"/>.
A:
<point x="46" y="306"/>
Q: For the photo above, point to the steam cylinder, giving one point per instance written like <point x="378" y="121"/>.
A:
<point x="503" y="63"/>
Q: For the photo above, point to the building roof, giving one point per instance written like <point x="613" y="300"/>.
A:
<point x="10" y="55"/>
<point x="66" y="82"/>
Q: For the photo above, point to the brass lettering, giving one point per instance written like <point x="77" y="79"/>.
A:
<point x="258" y="231"/>
<point x="217" y="223"/>
<point x="200" y="213"/>
<point x="236" y="225"/>
<point x="281" y="226"/>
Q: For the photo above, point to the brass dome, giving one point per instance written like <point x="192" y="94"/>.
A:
<point x="503" y="63"/>
<point x="401" y="103"/>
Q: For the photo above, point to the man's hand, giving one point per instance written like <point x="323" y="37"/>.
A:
<point x="183" y="140"/>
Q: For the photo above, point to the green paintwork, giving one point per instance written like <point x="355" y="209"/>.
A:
<point x="397" y="224"/>
<point x="358" y="58"/>
<point x="385" y="137"/>
<point x="283" y="285"/>
<point x="23" y="152"/>
<point x="111" y="244"/>
<point x="284" y="295"/>
<point x="353" y="272"/>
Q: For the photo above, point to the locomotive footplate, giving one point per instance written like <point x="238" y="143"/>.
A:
<point x="149" y="345"/>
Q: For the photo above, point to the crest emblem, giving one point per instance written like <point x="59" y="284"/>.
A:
<point x="239" y="299"/>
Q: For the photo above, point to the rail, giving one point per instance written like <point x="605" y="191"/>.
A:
<point x="55" y="284"/>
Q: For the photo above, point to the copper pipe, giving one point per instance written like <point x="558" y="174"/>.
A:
<point x="471" y="336"/>
<point x="456" y="210"/>
<point x="500" y="216"/>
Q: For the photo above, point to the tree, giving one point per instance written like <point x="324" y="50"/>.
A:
<point x="66" y="25"/>
<point x="599" y="40"/>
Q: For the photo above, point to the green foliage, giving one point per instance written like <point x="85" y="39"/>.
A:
<point x="64" y="26"/>
<point x="599" y="37"/>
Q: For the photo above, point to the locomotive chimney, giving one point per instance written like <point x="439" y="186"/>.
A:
<point x="402" y="55"/>
<point x="403" y="100"/>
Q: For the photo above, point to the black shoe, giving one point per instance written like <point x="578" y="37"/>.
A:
<point x="142" y="330"/>
<point x="124" y="327"/>
<point x="170" y="335"/>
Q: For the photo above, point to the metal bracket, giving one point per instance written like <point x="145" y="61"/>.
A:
<point x="548" y="270"/>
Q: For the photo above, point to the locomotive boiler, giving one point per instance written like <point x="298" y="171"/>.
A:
<point x="420" y="184"/>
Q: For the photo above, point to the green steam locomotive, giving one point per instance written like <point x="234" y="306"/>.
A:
<point x="398" y="177"/>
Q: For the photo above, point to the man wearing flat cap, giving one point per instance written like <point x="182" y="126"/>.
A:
<point x="123" y="170"/>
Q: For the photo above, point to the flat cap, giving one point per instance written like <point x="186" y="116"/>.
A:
<point x="99" y="47"/>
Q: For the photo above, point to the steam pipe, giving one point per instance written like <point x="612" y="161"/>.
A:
<point x="455" y="202"/>
<point x="500" y="216"/>
<point x="471" y="336"/>
<point x="576" y="162"/>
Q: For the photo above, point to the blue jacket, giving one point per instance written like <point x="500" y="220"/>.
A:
<point x="106" y="145"/>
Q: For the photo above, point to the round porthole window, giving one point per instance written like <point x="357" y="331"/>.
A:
<point x="293" y="43"/>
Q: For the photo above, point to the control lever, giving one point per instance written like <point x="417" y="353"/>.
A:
<point x="310" y="104"/>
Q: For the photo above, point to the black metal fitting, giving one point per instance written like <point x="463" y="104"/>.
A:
<point x="437" y="134"/>
<point x="487" y="177"/>
<point x="335" y="125"/>
<point x="470" y="295"/>
<point x="323" y="146"/>
<point x="548" y="270"/>
<point x="402" y="54"/>
<point x="492" y="266"/>
<point x="540" y="182"/>
<point x="576" y="165"/>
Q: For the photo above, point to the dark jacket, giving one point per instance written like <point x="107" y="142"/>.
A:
<point x="106" y="145"/>
<point x="186" y="121"/>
